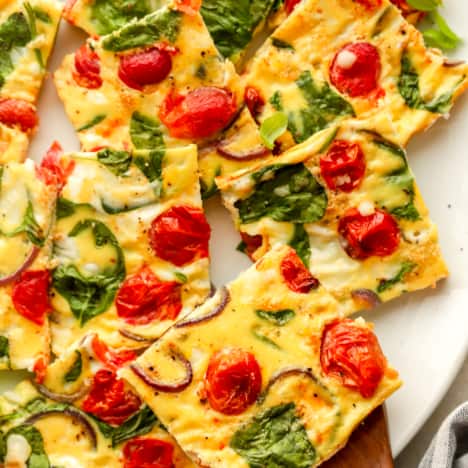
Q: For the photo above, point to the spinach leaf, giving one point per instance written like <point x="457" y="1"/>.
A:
<point x="277" y="317"/>
<point x="208" y="192"/>
<point x="260" y="336"/>
<point x="276" y="438"/>
<point x="75" y="370"/>
<point x="280" y="44"/>
<point x="301" y="244"/>
<point x="109" y="15"/>
<point x="89" y="296"/>
<point x="293" y="194"/>
<point x="92" y="123"/>
<point x="4" y="348"/>
<point x="145" y="132"/>
<point x="31" y="17"/>
<point x="385" y="284"/>
<point x="163" y="23"/>
<point x="38" y="457"/>
<point x="151" y="166"/>
<point x="116" y="161"/>
<point x="42" y="15"/>
<point x="64" y="208"/>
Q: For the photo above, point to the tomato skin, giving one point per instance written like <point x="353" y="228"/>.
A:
<point x="110" y="358"/>
<point x="40" y="368"/>
<point x="144" y="298"/>
<point x="189" y="7"/>
<point x="252" y="243"/>
<point x="290" y="5"/>
<point x="233" y="381"/>
<point x="30" y="295"/>
<point x="180" y="235"/>
<point x="352" y="354"/>
<point x="376" y="234"/>
<point x="52" y="171"/>
<point x="362" y="77"/>
<point x="297" y="277"/>
<point x="87" y="68"/>
<point x="201" y="113"/>
<point x="344" y="166"/>
<point x="148" y="453"/>
<point x="145" y="68"/>
<point x="254" y="101"/>
<point x="18" y="113"/>
<point x="109" y="400"/>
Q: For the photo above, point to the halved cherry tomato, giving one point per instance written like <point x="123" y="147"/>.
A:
<point x="233" y="381"/>
<point x="143" y="298"/>
<point x="145" y="68"/>
<point x="297" y="277"/>
<point x="252" y="243"/>
<point x="190" y="7"/>
<point x="254" y="101"/>
<point x="290" y="5"/>
<point x="87" y="68"/>
<point x="18" y="113"/>
<point x="360" y="77"/>
<point x="344" y="166"/>
<point x="199" y="114"/>
<point x="53" y="171"/>
<point x="148" y="453"/>
<point x="352" y="354"/>
<point x="375" y="234"/>
<point x="180" y="235"/>
<point x="30" y="295"/>
<point x="40" y="368"/>
<point x="110" y="358"/>
<point x="109" y="400"/>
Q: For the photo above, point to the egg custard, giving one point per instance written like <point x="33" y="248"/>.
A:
<point x="26" y="212"/>
<point x="27" y="35"/>
<point x="333" y="60"/>
<point x="130" y="245"/>
<point x="346" y="200"/>
<point x="287" y="388"/>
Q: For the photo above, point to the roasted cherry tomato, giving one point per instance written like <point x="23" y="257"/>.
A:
<point x="297" y="277"/>
<point x="148" y="453"/>
<point x="254" y="101"/>
<point x="30" y="295"/>
<point x="109" y="400"/>
<point x="40" y="368"/>
<point x="145" y="68"/>
<point x="290" y="5"/>
<point x="356" y="68"/>
<point x="110" y="358"/>
<point x="352" y="354"/>
<point x="200" y="114"/>
<point x="87" y="68"/>
<point x="369" y="235"/>
<point x="190" y="7"/>
<point x="52" y="171"/>
<point x="143" y="298"/>
<point x="344" y="166"/>
<point x="252" y="243"/>
<point x="18" y="113"/>
<point x="180" y="235"/>
<point x="233" y="381"/>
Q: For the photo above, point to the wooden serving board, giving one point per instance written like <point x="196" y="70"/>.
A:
<point x="368" y="447"/>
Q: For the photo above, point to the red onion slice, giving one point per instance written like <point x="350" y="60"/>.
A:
<point x="225" y="299"/>
<point x="74" y="415"/>
<point x="366" y="298"/>
<point x="27" y="263"/>
<point x="248" y="155"/>
<point x="135" y="337"/>
<point x="453" y="63"/>
<point x="167" y="387"/>
<point x="62" y="397"/>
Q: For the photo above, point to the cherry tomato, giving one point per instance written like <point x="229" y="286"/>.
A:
<point x="358" y="78"/>
<point x="87" y="68"/>
<point x="110" y="358"/>
<point x="290" y="5"/>
<point x="199" y="114"/>
<point x="53" y="171"/>
<point x="254" y="101"/>
<point x="190" y="7"/>
<point x="180" y="235"/>
<point x="18" y="113"/>
<point x="233" y="381"/>
<point x="297" y="277"/>
<point x="252" y="243"/>
<point x="148" y="453"/>
<point x="145" y="68"/>
<point x="376" y="234"/>
<point x="352" y="354"/>
<point x="109" y="400"/>
<point x="344" y="166"/>
<point x="143" y="298"/>
<point x="40" y="368"/>
<point x="30" y="295"/>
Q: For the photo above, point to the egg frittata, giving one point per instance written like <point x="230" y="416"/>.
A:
<point x="277" y="391"/>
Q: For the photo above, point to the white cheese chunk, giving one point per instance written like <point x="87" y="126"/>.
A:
<point x="18" y="451"/>
<point x="346" y="59"/>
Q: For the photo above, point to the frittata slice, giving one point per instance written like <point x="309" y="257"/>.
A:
<point x="347" y="201"/>
<point x="266" y="373"/>
<point x="27" y="35"/>
<point x="130" y="246"/>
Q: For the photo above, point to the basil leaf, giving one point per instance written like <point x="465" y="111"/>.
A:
<point x="293" y="194"/>
<point x="118" y="162"/>
<point x="92" y="123"/>
<point x="385" y="284"/>
<point x="272" y="128"/>
<point x="280" y="44"/>
<point x="301" y="244"/>
<point x="260" y="336"/>
<point x="277" y="317"/>
<point x="424" y="5"/>
<point x="145" y="132"/>
<point x="38" y="457"/>
<point x="275" y="438"/>
<point x="75" y="370"/>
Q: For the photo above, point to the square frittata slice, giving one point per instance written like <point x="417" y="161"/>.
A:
<point x="347" y="201"/>
<point x="265" y="373"/>
<point x="130" y="245"/>
<point x="27" y="35"/>
<point x="332" y="60"/>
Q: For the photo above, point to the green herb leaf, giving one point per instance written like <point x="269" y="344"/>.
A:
<point x="181" y="277"/>
<point x="208" y="192"/>
<point x="424" y="5"/>
<point x="38" y="457"/>
<point x="276" y="438"/>
<point x="272" y="128"/>
<point x="145" y="132"/>
<point x="92" y="123"/>
<point x="151" y="166"/>
<point x="31" y="19"/>
<point x="75" y="370"/>
<point x="301" y="244"/>
<point x="260" y="336"/>
<point x="277" y="317"/>
<point x="443" y="37"/>
<point x="118" y="162"/>
<point x="65" y="208"/>
<point x="42" y="15"/>
<point x="280" y="44"/>
<point x="386" y="284"/>
<point x="4" y="347"/>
